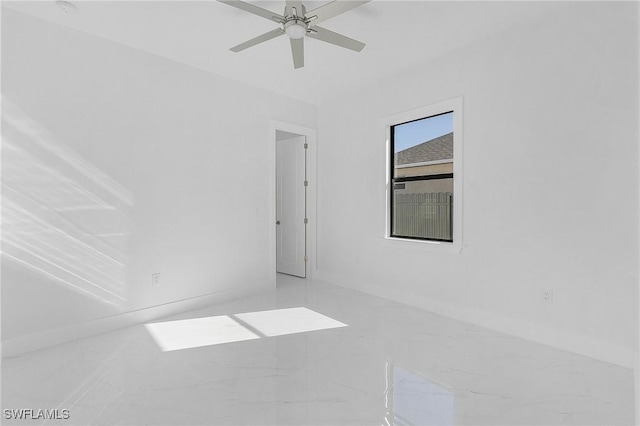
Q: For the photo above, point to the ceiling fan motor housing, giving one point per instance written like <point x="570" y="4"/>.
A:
<point x="295" y="24"/>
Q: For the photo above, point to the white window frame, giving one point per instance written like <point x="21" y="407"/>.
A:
<point x="454" y="105"/>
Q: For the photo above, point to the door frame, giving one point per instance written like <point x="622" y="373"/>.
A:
<point x="312" y="177"/>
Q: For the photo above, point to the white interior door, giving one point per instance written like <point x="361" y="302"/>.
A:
<point x="291" y="206"/>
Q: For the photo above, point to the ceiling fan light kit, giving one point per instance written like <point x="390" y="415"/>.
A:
<point x="297" y="25"/>
<point x="295" y="29"/>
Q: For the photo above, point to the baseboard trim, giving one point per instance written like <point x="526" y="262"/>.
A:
<point x="20" y="345"/>
<point x="581" y="345"/>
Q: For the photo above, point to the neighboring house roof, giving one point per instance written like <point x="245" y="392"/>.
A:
<point x="440" y="148"/>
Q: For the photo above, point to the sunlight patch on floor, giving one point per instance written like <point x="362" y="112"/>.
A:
<point x="198" y="332"/>
<point x="207" y="331"/>
<point x="288" y="321"/>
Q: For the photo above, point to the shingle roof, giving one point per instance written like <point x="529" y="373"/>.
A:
<point x="440" y="148"/>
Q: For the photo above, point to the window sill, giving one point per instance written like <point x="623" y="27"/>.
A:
<point x="434" y="246"/>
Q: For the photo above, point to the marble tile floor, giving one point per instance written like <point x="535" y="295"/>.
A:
<point x="390" y="365"/>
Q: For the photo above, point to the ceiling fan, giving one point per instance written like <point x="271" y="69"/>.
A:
<point x="297" y="23"/>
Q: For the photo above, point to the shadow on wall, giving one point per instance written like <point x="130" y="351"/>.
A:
<point x="63" y="220"/>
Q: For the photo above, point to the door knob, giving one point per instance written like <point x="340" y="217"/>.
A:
<point x="277" y="222"/>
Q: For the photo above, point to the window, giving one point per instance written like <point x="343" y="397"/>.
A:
<point x="421" y="195"/>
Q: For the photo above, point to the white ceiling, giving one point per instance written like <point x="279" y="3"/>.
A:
<point x="398" y="34"/>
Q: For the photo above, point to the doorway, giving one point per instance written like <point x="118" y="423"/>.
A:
<point x="280" y="131"/>
<point x="291" y="203"/>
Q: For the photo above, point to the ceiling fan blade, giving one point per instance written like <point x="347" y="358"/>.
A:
<point x="257" y="40"/>
<point x="297" y="4"/>
<point x="248" y="7"/>
<point x="324" y="34"/>
<point x="297" y="50"/>
<point x="332" y="9"/>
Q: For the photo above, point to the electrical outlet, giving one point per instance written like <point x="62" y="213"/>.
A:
<point x="547" y="295"/>
<point x="155" y="279"/>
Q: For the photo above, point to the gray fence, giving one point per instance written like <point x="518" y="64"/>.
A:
<point x="426" y="215"/>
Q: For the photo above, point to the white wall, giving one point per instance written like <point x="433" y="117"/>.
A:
<point x="550" y="183"/>
<point x="177" y="155"/>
